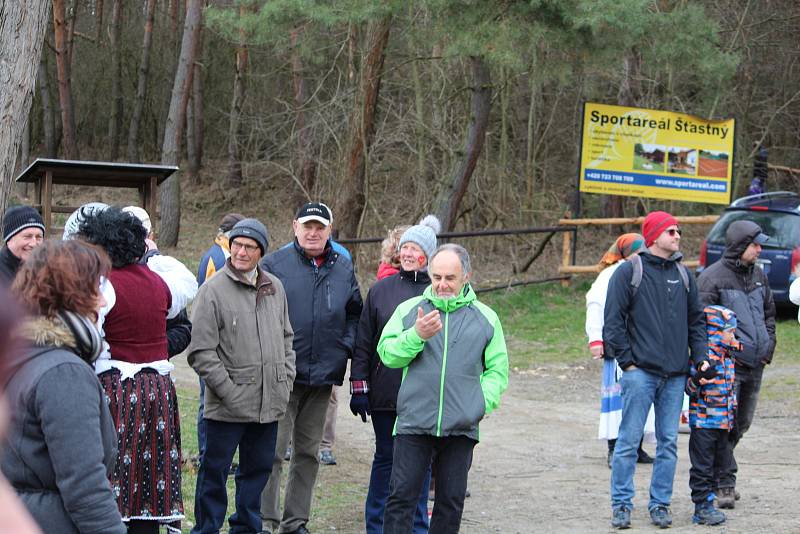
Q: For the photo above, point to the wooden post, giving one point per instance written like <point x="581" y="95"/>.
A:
<point x="566" y="254"/>
<point x="151" y="204"/>
<point x="47" y="200"/>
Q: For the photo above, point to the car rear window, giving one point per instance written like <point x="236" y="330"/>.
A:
<point x="782" y="228"/>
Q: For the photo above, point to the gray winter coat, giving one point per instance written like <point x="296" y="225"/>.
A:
<point x="745" y="290"/>
<point x="242" y="347"/>
<point x="61" y="443"/>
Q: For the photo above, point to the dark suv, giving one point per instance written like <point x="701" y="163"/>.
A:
<point x="778" y="215"/>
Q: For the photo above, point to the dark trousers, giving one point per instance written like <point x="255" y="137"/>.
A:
<point x="201" y="422"/>
<point x="747" y="385"/>
<point x="256" y="443"/>
<point x="710" y="453"/>
<point x="378" y="493"/>
<point x="452" y="458"/>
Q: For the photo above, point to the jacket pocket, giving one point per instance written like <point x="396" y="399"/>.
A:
<point x="464" y="403"/>
<point x="249" y="374"/>
<point x="283" y="388"/>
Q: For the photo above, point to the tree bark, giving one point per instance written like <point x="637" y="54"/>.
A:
<point x="170" y="194"/>
<point x="22" y="26"/>
<point x="48" y="118"/>
<point x="198" y="120"/>
<point x="115" y="119"/>
<point x="64" y="83"/>
<point x="234" y="178"/>
<point x="98" y="22"/>
<point x="362" y="127"/>
<point x="449" y="199"/>
<point x="141" y="86"/>
<point x="306" y="164"/>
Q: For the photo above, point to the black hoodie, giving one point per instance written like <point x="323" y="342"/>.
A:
<point x="745" y="290"/>
<point x="9" y="265"/>
<point x="657" y="327"/>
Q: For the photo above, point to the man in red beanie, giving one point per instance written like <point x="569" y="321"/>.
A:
<point x="653" y="317"/>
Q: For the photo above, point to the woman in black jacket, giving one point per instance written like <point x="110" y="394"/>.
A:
<point x="373" y="386"/>
<point x="61" y="440"/>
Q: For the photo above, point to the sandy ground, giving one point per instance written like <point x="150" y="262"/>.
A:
<point x="538" y="467"/>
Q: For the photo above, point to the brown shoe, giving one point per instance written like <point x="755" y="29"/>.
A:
<point x="726" y="498"/>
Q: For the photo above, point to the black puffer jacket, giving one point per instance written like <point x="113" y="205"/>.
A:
<point x="382" y="300"/>
<point x="324" y="307"/>
<point x="9" y="265"/>
<point x="655" y="328"/>
<point x="745" y="290"/>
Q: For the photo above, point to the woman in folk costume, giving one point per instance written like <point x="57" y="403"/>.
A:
<point x="623" y="248"/>
<point x="135" y="374"/>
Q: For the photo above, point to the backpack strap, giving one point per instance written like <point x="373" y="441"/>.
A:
<point x="638" y="270"/>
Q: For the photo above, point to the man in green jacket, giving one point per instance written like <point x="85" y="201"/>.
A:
<point x="455" y="368"/>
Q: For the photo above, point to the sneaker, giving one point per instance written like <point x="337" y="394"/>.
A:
<point x="644" y="458"/>
<point x="288" y="454"/>
<point x="706" y="514"/>
<point x="621" y="517"/>
<point x="327" y="458"/>
<point x="661" y="517"/>
<point x="726" y="498"/>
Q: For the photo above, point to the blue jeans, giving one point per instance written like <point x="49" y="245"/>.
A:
<point x="640" y="389"/>
<point x="256" y="444"/>
<point x="383" y="423"/>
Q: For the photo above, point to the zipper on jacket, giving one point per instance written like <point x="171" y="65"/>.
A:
<point x="328" y="294"/>
<point x="441" y="378"/>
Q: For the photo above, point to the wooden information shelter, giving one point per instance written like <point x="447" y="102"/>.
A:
<point x="45" y="173"/>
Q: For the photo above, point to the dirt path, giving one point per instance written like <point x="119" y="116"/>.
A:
<point x="538" y="467"/>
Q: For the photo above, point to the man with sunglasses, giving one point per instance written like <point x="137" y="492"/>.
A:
<point x="737" y="283"/>
<point x="242" y="348"/>
<point x="651" y="325"/>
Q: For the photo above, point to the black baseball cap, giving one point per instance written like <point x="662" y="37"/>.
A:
<point x="315" y="211"/>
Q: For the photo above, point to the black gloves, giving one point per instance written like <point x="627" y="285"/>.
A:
<point x="359" y="405"/>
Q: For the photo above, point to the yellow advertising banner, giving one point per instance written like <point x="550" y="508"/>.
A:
<point x="655" y="154"/>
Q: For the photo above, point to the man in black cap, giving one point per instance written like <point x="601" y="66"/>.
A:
<point x="737" y="283"/>
<point x="242" y="348"/>
<point x="324" y="308"/>
<point x="23" y="231"/>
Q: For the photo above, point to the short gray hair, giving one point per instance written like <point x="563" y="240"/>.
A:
<point x="459" y="251"/>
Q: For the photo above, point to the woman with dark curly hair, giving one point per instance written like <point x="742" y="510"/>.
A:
<point x="61" y="443"/>
<point x="135" y="375"/>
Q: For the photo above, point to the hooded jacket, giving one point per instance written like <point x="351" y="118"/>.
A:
<point x="655" y="328"/>
<point x="745" y="290"/>
<point x="382" y="300"/>
<point x="62" y="444"/>
<point x="324" y="307"/>
<point x="242" y="347"/>
<point x="712" y="405"/>
<point x="454" y="379"/>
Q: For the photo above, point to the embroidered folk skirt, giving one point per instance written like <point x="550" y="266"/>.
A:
<point x="147" y="475"/>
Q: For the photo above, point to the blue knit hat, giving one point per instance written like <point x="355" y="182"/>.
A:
<point x="17" y="218"/>
<point x="423" y="234"/>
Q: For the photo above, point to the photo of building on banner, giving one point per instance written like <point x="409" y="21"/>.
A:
<point x="655" y="154"/>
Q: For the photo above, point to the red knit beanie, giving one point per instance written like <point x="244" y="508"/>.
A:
<point x="654" y="224"/>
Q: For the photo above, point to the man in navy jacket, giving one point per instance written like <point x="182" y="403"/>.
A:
<point x="324" y="308"/>
<point x="650" y="327"/>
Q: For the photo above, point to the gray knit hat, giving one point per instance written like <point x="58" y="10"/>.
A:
<point x="423" y="234"/>
<point x="254" y="229"/>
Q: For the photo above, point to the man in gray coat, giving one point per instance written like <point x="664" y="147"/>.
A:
<point x="737" y="283"/>
<point x="242" y="348"/>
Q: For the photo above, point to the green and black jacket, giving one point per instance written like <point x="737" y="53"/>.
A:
<point x="455" y="378"/>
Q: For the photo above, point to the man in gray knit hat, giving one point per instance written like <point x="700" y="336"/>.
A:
<point x="246" y="359"/>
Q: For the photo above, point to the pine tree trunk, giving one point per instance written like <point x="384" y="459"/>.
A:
<point x="449" y="199"/>
<point x="362" y="127"/>
<point x="306" y="163"/>
<point x="64" y="83"/>
<point x="198" y="120"/>
<point x="48" y="118"/>
<point x="141" y="85"/>
<point x="170" y="194"/>
<point x="22" y="26"/>
<point x="234" y="178"/>
<point x="115" y="120"/>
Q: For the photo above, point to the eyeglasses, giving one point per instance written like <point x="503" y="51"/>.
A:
<point x="674" y="231"/>
<point x="250" y="249"/>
